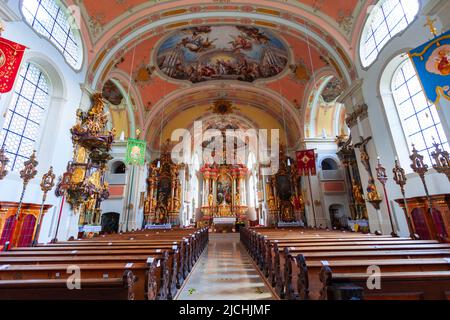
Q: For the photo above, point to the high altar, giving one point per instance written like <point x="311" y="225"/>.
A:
<point x="224" y="193"/>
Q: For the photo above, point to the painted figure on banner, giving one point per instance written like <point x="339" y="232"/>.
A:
<point x="431" y="61"/>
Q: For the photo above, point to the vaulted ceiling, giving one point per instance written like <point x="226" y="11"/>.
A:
<point x="123" y="37"/>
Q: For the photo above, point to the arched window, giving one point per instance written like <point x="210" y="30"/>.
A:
<point x="329" y="165"/>
<point x="387" y="19"/>
<point x="420" y="121"/>
<point x="21" y="126"/>
<point x="52" y="21"/>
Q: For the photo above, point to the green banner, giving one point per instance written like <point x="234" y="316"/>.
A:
<point x="136" y="152"/>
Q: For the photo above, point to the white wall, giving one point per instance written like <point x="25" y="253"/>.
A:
<point x="377" y="126"/>
<point x="55" y="147"/>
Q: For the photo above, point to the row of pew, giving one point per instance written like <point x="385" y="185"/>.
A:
<point x="142" y="265"/>
<point x="311" y="264"/>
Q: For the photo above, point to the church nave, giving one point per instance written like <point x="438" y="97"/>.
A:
<point x="225" y="272"/>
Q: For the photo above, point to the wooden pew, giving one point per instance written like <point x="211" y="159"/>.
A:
<point x="427" y="285"/>
<point x="56" y="289"/>
<point x="277" y="276"/>
<point x="158" y="265"/>
<point x="303" y="281"/>
<point x="145" y="288"/>
<point x="282" y="255"/>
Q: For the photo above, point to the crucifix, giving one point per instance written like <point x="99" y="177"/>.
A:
<point x="362" y="146"/>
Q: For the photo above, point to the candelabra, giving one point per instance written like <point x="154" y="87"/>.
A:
<point x="27" y="174"/>
<point x="442" y="160"/>
<point x="383" y="178"/>
<point x="3" y="164"/>
<point x="400" y="179"/>
<point x="419" y="167"/>
<point x="47" y="184"/>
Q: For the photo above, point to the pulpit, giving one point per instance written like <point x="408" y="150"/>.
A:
<point x="19" y="232"/>
<point x="429" y="223"/>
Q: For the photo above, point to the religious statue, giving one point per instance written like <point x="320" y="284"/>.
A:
<point x="357" y="194"/>
<point x="210" y="200"/>
<point x="238" y="199"/>
<point x="177" y="204"/>
<point x="372" y="193"/>
<point x="271" y="203"/>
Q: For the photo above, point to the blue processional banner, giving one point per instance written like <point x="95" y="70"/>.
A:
<point x="431" y="61"/>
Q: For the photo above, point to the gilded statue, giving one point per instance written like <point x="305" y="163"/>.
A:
<point x="210" y="200"/>
<point x="372" y="193"/>
<point x="238" y="199"/>
<point x="271" y="204"/>
<point x="357" y="194"/>
<point x="177" y="204"/>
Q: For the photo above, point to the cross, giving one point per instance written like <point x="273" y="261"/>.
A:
<point x="363" y="142"/>
<point x="430" y="24"/>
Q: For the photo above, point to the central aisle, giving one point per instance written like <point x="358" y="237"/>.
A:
<point x="225" y="272"/>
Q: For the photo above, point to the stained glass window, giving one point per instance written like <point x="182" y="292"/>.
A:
<point x="21" y="127"/>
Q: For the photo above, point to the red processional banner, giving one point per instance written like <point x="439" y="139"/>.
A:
<point x="306" y="162"/>
<point x="11" y="55"/>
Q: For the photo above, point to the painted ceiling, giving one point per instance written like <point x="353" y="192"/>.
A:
<point x="218" y="48"/>
<point x="227" y="52"/>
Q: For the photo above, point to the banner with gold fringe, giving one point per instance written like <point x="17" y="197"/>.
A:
<point x="136" y="152"/>
<point x="11" y="55"/>
<point x="306" y="162"/>
<point x="431" y="61"/>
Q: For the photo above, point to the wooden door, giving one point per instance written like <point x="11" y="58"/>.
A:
<point x="27" y="231"/>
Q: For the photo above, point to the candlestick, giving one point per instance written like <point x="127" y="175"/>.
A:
<point x="47" y="184"/>
<point x="441" y="159"/>
<point x="382" y="177"/>
<point x="3" y="164"/>
<point x="400" y="178"/>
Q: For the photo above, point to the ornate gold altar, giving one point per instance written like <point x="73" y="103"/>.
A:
<point x="224" y="192"/>
<point x="163" y="202"/>
<point x="84" y="183"/>
<point x="283" y="193"/>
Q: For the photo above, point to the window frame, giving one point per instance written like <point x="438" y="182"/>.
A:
<point x="43" y="121"/>
<point x="75" y="32"/>
<point x="407" y="135"/>
<point x="367" y="27"/>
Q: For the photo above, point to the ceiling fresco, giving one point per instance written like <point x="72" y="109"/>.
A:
<point x="203" y="53"/>
<point x="167" y="48"/>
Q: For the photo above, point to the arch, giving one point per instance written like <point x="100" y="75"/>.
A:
<point x="118" y="167"/>
<point x="62" y="33"/>
<point x="411" y="117"/>
<point x="387" y="19"/>
<point x="110" y="222"/>
<point x="116" y="79"/>
<point x="174" y="103"/>
<point x="22" y="127"/>
<point x="139" y="31"/>
<point x="329" y="164"/>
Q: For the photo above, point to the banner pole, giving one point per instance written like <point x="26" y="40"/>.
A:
<point x="312" y="199"/>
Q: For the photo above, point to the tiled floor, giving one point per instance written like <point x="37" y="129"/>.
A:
<point x="225" y="272"/>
